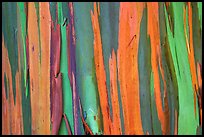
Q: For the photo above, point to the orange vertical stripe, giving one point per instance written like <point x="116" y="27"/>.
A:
<point x="39" y="70"/>
<point x="153" y="31"/>
<point x="129" y="27"/>
<point x="191" y="56"/>
<point x="5" y="103"/>
<point x="100" y="72"/>
<point x="176" y="122"/>
<point x="116" y="127"/>
<point x="18" y="105"/>
<point x="44" y="94"/>
<point x="34" y="67"/>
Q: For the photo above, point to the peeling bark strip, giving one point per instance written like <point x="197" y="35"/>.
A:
<point x="57" y="104"/>
<point x="95" y="68"/>
<point x="54" y="60"/>
<point x="67" y="124"/>
<point x="116" y="126"/>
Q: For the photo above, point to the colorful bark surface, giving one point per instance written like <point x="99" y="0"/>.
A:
<point x="102" y="68"/>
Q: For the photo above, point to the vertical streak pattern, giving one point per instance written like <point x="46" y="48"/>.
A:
<point x="132" y="68"/>
<point x="100" y="72"/>
<point x="153" y="31"/>
<point x="130" y="13"/>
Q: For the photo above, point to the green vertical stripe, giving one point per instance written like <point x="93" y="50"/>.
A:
<point x="66" y="89"/>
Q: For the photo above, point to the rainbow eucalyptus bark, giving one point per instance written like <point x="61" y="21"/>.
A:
<point x="57" y="104"/>
<point x="71" y="57"/>
<point x="67" y="124"/>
